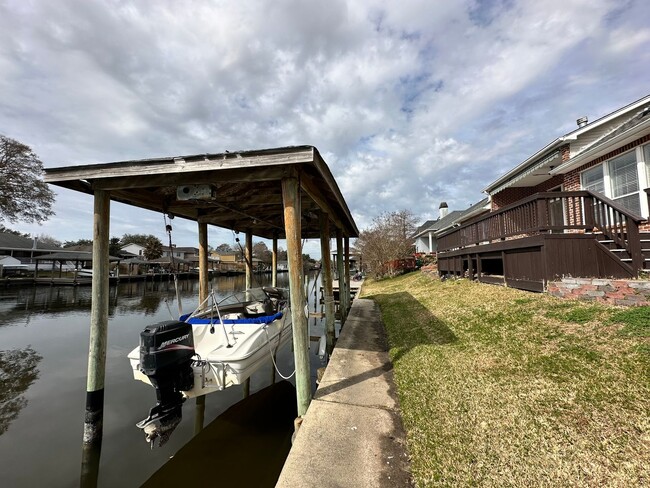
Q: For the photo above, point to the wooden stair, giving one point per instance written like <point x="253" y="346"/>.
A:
<point x="622" y="254"/>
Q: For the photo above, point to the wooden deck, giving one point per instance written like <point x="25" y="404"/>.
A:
<point x="545" y="237"/>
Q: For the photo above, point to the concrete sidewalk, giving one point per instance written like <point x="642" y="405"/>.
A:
<point x="352" y="434"/>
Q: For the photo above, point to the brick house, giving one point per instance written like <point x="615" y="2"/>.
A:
<point x="577" y="207"/>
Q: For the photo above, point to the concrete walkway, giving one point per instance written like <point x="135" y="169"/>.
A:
<point x="352" y="434"/>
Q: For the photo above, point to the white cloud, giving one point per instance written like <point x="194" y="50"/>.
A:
<point x="410" y="103"/>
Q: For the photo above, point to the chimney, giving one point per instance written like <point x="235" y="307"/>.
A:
<point x="582" y="121"/>
<point x="444" y="209"/>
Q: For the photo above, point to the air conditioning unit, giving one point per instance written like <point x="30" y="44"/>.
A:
<point x="194" y="192"/>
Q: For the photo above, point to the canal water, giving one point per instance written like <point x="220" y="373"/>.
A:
<point x="44" y="333"/>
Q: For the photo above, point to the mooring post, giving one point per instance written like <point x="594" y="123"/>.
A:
<point x="94" y="416"/>
<point x="274" y="263"/>
<point x="328" y="294"/>
<point x="291" y="201"/>
<point x="199" y="415"/>
<point x="340" y="271"/>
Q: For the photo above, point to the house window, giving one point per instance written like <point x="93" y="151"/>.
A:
<point x="624" y="179"/>
<point x="646" y="158"/>
<point x="617" y="179"/>
<point x="593" y="179"/>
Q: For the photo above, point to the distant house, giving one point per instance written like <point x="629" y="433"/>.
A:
<point x="180" y="252"/>
<point x="226" y="256"/>
<point x="24" y="248"/>
<point x="577" y="207"/>
<point x="134" y="249"/>
<point x="426" y="235"/>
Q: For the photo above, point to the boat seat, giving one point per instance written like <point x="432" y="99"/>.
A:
<point x="258" y="309"/>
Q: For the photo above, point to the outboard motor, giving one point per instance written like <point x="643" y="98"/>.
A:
<point x="166" y="351"/>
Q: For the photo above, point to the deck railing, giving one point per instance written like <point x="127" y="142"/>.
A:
<point x="552" y="212"/>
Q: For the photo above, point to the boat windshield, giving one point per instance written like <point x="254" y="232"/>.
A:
<point x="250" y="295"/>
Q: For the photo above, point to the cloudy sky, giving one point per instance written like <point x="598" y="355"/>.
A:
<point x="410" y="103"/>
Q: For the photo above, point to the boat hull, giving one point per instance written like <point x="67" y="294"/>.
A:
<point x="228" y="354"/>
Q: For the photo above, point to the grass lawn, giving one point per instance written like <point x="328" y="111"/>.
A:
<point x="500" y="387"/>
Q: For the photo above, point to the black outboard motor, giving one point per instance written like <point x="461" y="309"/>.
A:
<point x="166" y="351"/>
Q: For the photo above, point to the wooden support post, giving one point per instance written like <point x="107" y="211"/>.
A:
<point x="246" y="387"/>
<point x="203" y="295"/>
<point x="248" y="257"/>
<point x="203" y="262"/>
<point x="346" y="273"/>
<point x="199" y="414"/>
<point x="339" y="271"/>
<point x="328" y="294"/>
<point x="94" y="417"/>
<point x="292" y="211"/>
<point x="274" y="263"/>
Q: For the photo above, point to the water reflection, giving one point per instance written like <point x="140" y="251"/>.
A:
<point x="18" y="370"/>
<point x="42" y="445"/>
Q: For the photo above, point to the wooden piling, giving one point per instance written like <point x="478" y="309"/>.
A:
<point x="248" y="258"/>
<point x="346" y="274"/>
<point x="94" y="416"/>
<point x="292" y="210"/>
<point x="274" y="263"/>
<point x="328" y="293"/>
<point x="340" y="271"/>
<point x="203" y="262"/>
<point x="199" y="415"/>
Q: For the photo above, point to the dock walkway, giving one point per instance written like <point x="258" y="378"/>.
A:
<point x="352" y="434"/>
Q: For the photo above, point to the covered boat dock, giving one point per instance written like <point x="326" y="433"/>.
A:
<point x="282" y="193"/>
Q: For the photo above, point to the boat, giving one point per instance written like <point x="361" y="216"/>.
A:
<point x="215" y="347"/>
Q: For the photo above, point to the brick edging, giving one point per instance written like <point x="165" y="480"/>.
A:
<point x="611" y="291"/>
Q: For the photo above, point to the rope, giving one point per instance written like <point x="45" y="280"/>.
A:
<point x="268" y="341"/>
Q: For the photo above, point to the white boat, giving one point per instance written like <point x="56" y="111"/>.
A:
<point x="209" y="350"/>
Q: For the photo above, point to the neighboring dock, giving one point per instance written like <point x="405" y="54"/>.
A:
<point x="352" y="433"/>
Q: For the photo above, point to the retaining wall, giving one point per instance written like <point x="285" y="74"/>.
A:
<point x="613" y="292"/>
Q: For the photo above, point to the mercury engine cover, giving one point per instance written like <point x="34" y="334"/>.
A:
<point x="166" y="351"/>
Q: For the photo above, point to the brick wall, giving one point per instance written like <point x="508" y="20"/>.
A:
<point x="511" y="195"/>
<point x="613" y="292"/>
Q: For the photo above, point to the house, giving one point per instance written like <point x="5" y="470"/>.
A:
<point x="133" y="249"/>
<point x="24" y="249"/>
<point x="188" y="253"/>
<point x="425" y="236"/>
<point x="577" y="207"/>
<point x="226" y="256"/>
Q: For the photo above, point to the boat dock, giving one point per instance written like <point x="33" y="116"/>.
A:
<point x="352" y="434"/>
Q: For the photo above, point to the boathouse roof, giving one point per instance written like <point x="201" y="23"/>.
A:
<point x="240" y="190"/>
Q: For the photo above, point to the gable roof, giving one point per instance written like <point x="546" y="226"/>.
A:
<point x="626" y="132"/>
<point x="439" y="224"/>
<point x="12" y="241"/>
<point x="547" y="161"/>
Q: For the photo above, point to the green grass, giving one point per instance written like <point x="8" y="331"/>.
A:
<point x="500" y="387"/>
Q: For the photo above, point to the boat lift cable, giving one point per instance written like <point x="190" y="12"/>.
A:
<point x="168" y="228"/>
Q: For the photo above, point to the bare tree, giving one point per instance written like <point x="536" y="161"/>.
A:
<point x="23" y="195"/>
<point x="262" y="252"/>
<point x="224" y="248"/>
<point x="387" y="239"/>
